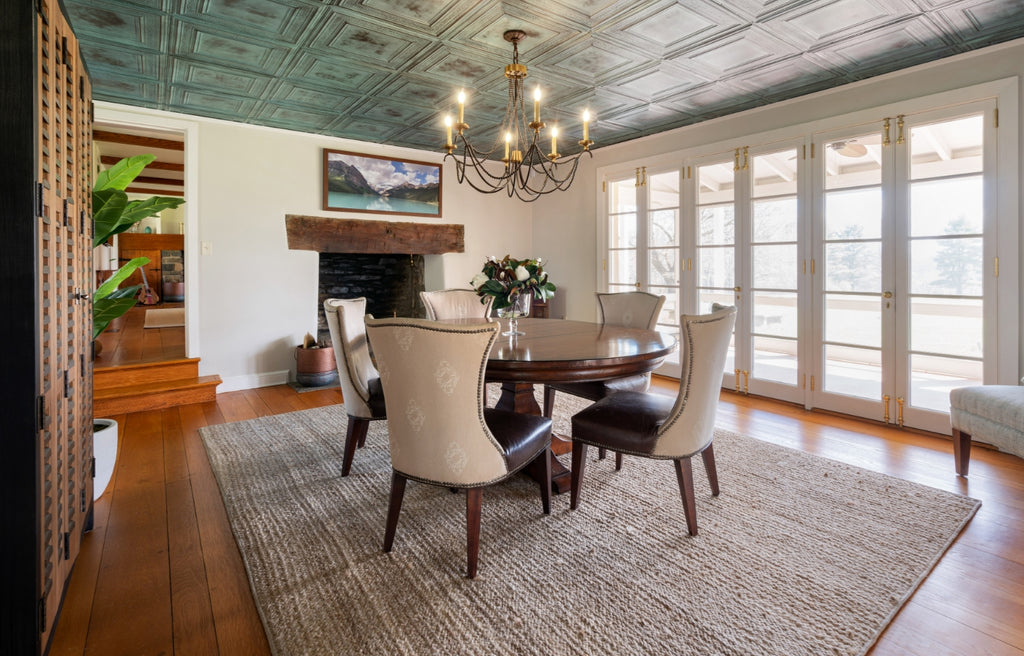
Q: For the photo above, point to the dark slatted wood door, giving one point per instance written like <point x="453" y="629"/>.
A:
<point x="46" y="267"/>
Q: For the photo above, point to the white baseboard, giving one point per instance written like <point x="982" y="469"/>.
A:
<point x="252" y="381"/>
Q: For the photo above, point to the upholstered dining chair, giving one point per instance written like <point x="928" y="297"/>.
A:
<point x="360" y="382"/>
<point x="658" y="426"/>
<point x="440" y="431"/>
<point x="455" y="304"/>
<point x="629" y="309"/>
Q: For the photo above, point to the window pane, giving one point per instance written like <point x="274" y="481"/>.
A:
<point x="664" y="190"/>
<point x="716" y="183"/>
<point x="775" y="220"/>
<point x="775" y="359"/>
<point x="708" y="297"/>
<point x="664" y="227"/>
<point x="622" y="196"/>
<point x="855" y="214"/>
<point x="775" y="314"/>
<point x="854" y="372"/>
<point x="775" y="267"/>
<point x="853" y="319"/>
<point x="932" y="378"/>
<point x="946" y="207"/>
<point x="668" y="320"/>
<point x="775" y="173"/>
<point x="717" y="225"/>
<point x="949" y="326"/>
<point x="946" y="266"/>
<point x="622" y="267"/>
<point x="947" y="148"/>
<point x="622" y="231"/>
<point x="663" y="266"/>
<point x="716" y="267"/>
<point x="853" y="267"/>
<point x="853" y="162"/>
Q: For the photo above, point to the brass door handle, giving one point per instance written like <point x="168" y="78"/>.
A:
<point x="886" y="294"/>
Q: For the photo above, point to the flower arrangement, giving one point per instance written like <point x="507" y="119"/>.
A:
<point x="506" y="279"/>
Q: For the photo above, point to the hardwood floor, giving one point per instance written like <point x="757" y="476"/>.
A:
<point x="160" y="572"/>
<point x="127" y="342"/>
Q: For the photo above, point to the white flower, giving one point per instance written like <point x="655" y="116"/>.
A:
<point x="522" y="274"/>
<point x="478" y="280"/>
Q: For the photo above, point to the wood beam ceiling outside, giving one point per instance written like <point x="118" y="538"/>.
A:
<point x="161" y="166"/>
<point x="155" y="192"/>
<point x="136" y="140"/>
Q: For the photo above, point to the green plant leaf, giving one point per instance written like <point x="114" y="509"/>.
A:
<point x="107" y="207"/>
<point x="110" y="285"/>
<point x="105" y="310"/>
<point x="137" y="210"/>
<point x="120" y="175"/>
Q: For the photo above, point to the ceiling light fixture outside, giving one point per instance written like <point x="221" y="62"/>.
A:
<point x="849" y="148"/>
<point x="528" y="172"/>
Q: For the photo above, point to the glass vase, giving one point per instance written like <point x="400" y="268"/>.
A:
<point x="520" y="308"/>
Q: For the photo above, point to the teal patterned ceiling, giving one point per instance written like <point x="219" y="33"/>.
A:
<point x="387" y="70"/>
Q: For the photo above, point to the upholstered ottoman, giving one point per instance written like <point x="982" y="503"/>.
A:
<point x="993" y="414"/>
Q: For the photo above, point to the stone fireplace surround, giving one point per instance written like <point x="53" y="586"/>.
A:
<point x="381" y="260"/>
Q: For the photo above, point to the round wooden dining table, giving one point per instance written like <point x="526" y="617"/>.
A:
<point x="563" y="351"/>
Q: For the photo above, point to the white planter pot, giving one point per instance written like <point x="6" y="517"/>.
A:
<point x="104" y="449"/>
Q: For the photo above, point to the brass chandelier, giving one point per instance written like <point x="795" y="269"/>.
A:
<point x="528" y="172"/>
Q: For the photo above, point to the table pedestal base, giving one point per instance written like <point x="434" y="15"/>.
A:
<point x="519" y="397"/>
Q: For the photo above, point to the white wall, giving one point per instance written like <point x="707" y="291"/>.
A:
<point x="255" y="299"/>
<point x="570" y="219"/>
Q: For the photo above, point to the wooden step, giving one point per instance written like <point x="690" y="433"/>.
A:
<point x="154" y="395"/>
<point x="127" y="375"/>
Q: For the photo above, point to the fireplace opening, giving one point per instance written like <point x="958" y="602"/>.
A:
<point x="390" y="283"/>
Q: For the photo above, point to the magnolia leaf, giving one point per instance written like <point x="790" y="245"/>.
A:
<point x="110" y="285"/>
<point x="107" y="207"/>
<point x="120" y="175"/>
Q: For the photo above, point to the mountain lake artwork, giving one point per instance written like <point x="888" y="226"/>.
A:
<point x="381" y="185"/>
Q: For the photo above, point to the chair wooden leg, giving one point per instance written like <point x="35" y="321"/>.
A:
<point x="684" y="474"/>
<point x="356" y="434"/>
<point x="474" y="498"/>
<point x="579" y="460"/>
<point x="397" y="493"/>
<point x="709" y="465"/>
<point x="549" y="401"/>
<point x="545" y="479"/>
<point x="601" y="453"/>
<point x="961" y="451"/>
<point x="618" y="461"/>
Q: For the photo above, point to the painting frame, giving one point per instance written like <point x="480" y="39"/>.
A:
<point x="420" y="184"/>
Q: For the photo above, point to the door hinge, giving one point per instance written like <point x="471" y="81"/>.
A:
<point x="812" y="383"/>
<point x="804" y="156"/>
<point x="67" y="385"/>
<point x="67" y="545"/>
<point x="81" y="221"/>
<point x="996" y="118"/>
<point x="82" y="498"/>
<point x="997" y="266"/>
<point x="812" y="150"/>
<point x="604" y="186"/>
<point x="39" y="199"/>
<point x="92" y="467"/>
<point x="604" y="265"/>
<point x="67" y="224"/>
<point x="40" y="412"/>
<point x="42" y="613"/>
<point x="81" y="365"/>
<point x="803" y="382"/>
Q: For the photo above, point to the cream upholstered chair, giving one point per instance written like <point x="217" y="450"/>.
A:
<point x="455" y="304"/>
<point x="993" y="414"/>
<point x="440" y="432"/>
<point x="629" y="309"/>
<point x="360" y="383"/>
<point x="658" y="426"/>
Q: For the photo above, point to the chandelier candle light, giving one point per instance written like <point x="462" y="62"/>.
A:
<point x="528" y="174"/>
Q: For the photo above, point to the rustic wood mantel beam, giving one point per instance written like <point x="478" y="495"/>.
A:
<point x="327" y="235"/>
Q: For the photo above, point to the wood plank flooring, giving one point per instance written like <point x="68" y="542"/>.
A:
<point x="125" y="341"/>
<point x="160" y="572"/>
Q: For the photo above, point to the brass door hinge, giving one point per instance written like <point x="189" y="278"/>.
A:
<point x="997" y="266"/>
<point x="604" y="186"/>
<point x="996" y="118"/>
<point x="885" y="133"/>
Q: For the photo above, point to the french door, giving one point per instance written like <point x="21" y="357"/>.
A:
<point x="643" y="241"/>
<point x="904" y="298"/>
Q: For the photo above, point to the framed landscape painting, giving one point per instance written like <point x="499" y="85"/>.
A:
<point x="381" y="185"/>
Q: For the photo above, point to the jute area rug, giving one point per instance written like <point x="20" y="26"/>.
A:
<point x="798" y="555"/>
<point x="164" y="318"/>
